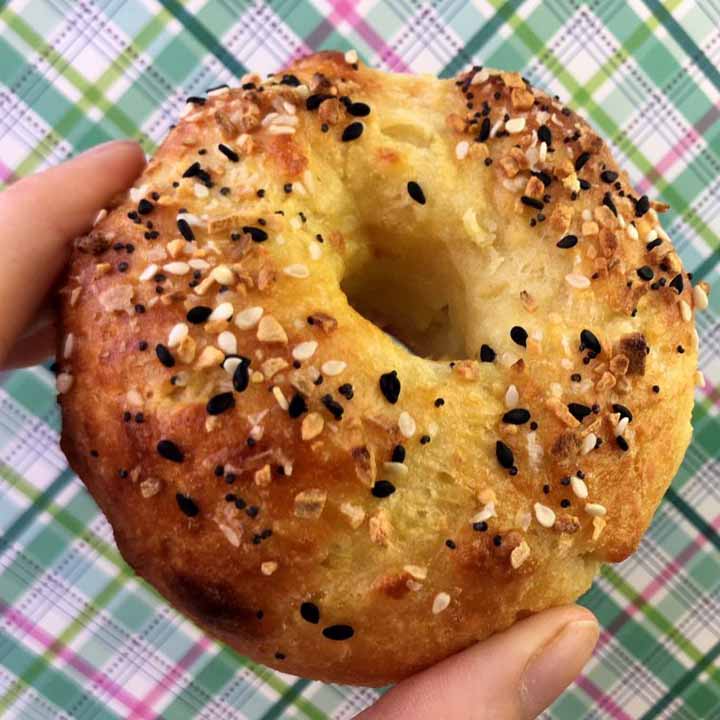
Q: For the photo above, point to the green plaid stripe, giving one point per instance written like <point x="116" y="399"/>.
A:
<point x="81" y="637"/>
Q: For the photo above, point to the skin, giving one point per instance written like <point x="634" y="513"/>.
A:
<point x="514" y="675"/>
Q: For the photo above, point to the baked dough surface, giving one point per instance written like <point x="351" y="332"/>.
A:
<point x="324" y="499"/>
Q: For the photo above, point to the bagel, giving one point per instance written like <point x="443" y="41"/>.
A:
<point x="368" y="366"/>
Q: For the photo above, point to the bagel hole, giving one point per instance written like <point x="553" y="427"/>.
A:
<point x="415" y="295"/>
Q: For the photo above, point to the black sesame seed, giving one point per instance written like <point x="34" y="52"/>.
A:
<point x="390" y="386"/>
<point x="519" y="335"/>
<point x="566" y="481"/>
<point x="642" y="206"/>
<point x="382" y="489"/>
<point x="416" y="192"/>
<point x="241" y="376"/>
<point x="581" y="160"/>
<point x="346" y="390"/>
<point x="677" y="284"/>
<point x="229" y="153"/>
<point x="219" y="471"/>
<point x="544" y="178"/>
<point x="484" y="133"/>
<point x="164" y="355"/>
<point x="145" y="207"/>
<point x="256" y="234"/>
<point x="656" y="389"/>
<point x="589" y="341"/>
<point x="481" y="526"/>
<point x="544" y="135"/>
<point x="220" y="403"/>
<point x="170" y="451"/>
<point x="310" y="612"/>
<point x="185" y="229"/>
<point x="252" y="511"/>
<point x="622" y="443"/>
<point x="127" y="416"/>
<point x="504" y="454"/>
<point x="439" y="402"/>
<point x="653" y="244"/>
<point x="290" y="80"/>
<point x="280" y="656"/>
<point x="187" y="504"/>
<point x="608" y="176"/>
<point x="142" y="346"/>
<point x="497" y="540"/>
<point x="195" y="100"/>
<point x="398" y="454"/>
<point x="584" y="184"/>
<point x="546" y="489"/>
<point x="338" y="632"/>
<point x="451" y="544"/>
<point x="516" y="416"/>
<point x="532" y="202"/>
<point x="645" y="273"/>
<point x="608" y="202"/>
<point x="122" y="267"/>
<point x="352" y="132"/>
<point x="313" y="102"/>
<point x="680" y="349"/>
<point x="358" y="109"/>
<point x="579" y="411"/>
<point x="533" y="425"/>
<point x="297" y="406"/>
<point x="622" y="411"/>
<point x="425" y="439"/>
<point x="240" y="504"/>
<point x="565" y="503"/>
<point x="487" y="354"/>
<point x="567" y="242"/>
<point x="335" y="408"/>
<point x="198" y="314"/>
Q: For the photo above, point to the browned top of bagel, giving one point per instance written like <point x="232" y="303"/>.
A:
<point x="306" y="488"/>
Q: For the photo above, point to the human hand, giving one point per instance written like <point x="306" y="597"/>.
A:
<point x="513" y="675"/>
<point x="39" y="217"/>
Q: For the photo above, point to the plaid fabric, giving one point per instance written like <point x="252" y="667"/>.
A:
<point x="80" y="637"/>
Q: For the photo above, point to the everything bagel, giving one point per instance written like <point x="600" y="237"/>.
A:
<point x="323" y="498"/>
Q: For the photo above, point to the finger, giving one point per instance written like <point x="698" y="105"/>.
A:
<point x="39" y="215"/>
<point x="32" y="348"/>
<point x="514" y="675"/>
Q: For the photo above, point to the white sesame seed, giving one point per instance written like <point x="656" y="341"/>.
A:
<point x="177" y="334"/>
<point x="699" y="378"/>
<point x="576" y="280"/>
<point x="298" y="270"/>
<point x="652" y="235"/>
<point x="485" y="514"/>
<point x="305" y="350"/>
<point x="496" y="127"/>
<point x="189" y="218"/>
<point x="512" y="397"/>
<point x="227" y="342"/>
<point x="440" y="603"/>
<point x="200" y="191"/>
<point x="632" y="232"/>
<point x="281" y="399"/>
<point x="223" y="275"/>
<point x="68" y="345"/>
<point x="545" y="515"/>
<point x="588" y="443"/>
<point x="248" y="318"/>
<point x="230" y="365"/>
<point x="333" y="367"/>
<point x="351" y="57"/>
<point x="177" y="268"/>
<point x="461" y="149"/>
<point x="579" y="487"/>
<point x="299" y="188"/>
<point x="515" y="125"/>
<point x="100" y="216"/>
<point x="281" y="130"/>
<point x="685" y="311"/>
<point x="416" y="571"/>
<point x="700" y="298"/>
<point x="315" y="251"/>
<point x="223" y="311"/>
<point x="622" y="425"/>
<point x="595" y="509"/>
<point x="198" y="264"/>
<point x="148" y="272"/>
<point x="406" y="424"/>
<point x="395" y="468"/>
<point x="63" y="382"/>
<point x="542" y="155"/>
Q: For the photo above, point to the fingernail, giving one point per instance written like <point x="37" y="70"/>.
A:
<point x="552" y="668"/>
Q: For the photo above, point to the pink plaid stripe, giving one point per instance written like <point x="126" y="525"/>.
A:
<point x="136" y="708"/>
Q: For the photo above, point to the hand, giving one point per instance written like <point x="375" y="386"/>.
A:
<point x="514" y="675"/>
<point x="39" y="217"/>
<point x="511" y="676"/>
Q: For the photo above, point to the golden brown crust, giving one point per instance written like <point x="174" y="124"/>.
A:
<point x="248" y="459"/>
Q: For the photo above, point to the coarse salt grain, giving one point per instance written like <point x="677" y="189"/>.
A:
<point x="248" y="318"/>
<point x="268" y="567"/>
<point x="305" y="350"/>
<point x="227" y="342"/>
<point x="461" y="149"/>
<point x="515" y="125"/>
<point x="406" y="424"/>
<point x="351" y="57"/>
<point x="333" y="367"/>
<point x="440" y="603"/>
<point x="519" y="555"/>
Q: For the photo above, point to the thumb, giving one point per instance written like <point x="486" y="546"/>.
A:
<point x="513" y="675"/>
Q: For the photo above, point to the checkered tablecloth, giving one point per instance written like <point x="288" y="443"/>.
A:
<point x="80" y="637"/>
